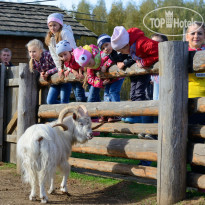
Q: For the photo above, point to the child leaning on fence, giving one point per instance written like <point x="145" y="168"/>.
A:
<point x="145" y="52"/>
<point x="41" y="61"/>
<point x="57" y="32"/>
<point x="112" y="89"/>
<point x="93" y="61"/>
<point x="65" y="53"/>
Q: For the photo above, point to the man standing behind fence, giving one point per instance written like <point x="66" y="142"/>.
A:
<point x="5" y="56"/>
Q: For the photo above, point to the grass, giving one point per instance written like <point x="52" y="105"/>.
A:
<point x="5" y="165"/>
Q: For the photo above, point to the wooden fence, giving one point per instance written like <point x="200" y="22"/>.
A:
<point x="172" y="150"/>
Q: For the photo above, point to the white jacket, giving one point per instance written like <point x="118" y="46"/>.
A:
<point x="66" y="34"/>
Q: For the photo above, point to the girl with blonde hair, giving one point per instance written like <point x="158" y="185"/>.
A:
<point x="41" y="61"/>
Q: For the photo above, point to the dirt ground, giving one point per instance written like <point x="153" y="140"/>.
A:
<point x="13" y="192"/>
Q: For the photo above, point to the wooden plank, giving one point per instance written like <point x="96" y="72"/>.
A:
<point x="12" y="82"/>
<point x="129" y="148"/>
<point x="113" y="167"/>
<point x="118" y="147"/>
<point x="11" y="138"/>
<point x="27" y="101"/>
<point x="12" y="124"/>
<point x="2" y="83"/>
<point x="199" y="61"/>
<point x="123" y="108"/>
<point x="126" y="128"/>
<point x="113" y="72"/>
<point x="196" y="180"/>
<point x="195" y="131"/>
<point x="173" y="122"/>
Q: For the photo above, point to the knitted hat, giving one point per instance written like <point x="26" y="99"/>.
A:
<point x="63" y="46"/>
<point x="119" y="38"/>
<point x="82" y="56"/>
<point x="103" y="38"/>
<point x="55" y="17"/>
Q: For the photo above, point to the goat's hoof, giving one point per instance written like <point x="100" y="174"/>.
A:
<point x="32" y="198"/>
<point x="51" y="191"/>
<point x="44" y="200"/>
<point x="64" y="189"/>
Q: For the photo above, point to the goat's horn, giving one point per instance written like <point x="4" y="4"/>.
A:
<point x="65" y="111"/>
<point x="84" y="109"/>
<point x="62" y="125"/>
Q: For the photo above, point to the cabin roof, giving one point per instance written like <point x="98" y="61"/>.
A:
<point x="20" y="19"/>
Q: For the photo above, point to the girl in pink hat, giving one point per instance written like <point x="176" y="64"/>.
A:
<point x="93" y="60"/>
<point x="57" y="32"/>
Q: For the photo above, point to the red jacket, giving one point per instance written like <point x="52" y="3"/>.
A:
<point x="72" y="64"/>
<point x="145" y="48"/>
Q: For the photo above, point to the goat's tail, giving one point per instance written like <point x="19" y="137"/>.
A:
<point x="36" y="156"/>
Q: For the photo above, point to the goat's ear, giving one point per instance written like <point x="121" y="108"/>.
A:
<point x="82" y="110"/>
<point x="74" y="116"/>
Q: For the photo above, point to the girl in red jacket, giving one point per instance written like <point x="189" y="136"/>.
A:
<point x="145" y="52"/>
<point x="64" y="51"/>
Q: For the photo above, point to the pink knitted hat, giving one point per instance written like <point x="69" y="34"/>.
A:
<point x="55" y="17"/>
<point x="119" y="38"/>
<point x="82" y="56"/>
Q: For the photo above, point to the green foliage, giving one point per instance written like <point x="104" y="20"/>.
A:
<point x="7" y="166"/>
<point x="132" y="16"/>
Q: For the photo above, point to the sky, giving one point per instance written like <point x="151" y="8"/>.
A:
<point x="68" y="3"/>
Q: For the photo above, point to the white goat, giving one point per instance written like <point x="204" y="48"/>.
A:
<point x="44" y="147"/>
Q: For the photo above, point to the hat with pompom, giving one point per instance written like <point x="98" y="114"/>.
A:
<point x="103" y="38"/>
<point x="63" y="46"/>
<point x="82" y="56"/>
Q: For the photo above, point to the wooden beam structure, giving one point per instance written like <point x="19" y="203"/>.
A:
<point x="173" y="122"/>
<point x="125" y="108"/>
<point x="27" y="101"/>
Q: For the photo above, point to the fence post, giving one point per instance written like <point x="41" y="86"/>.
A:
<point x="27" y="101"/>
<point x="2" y="87"/>
<point x="173" y="122"/>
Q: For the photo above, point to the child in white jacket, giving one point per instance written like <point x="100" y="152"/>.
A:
<point x="57" y="32"/>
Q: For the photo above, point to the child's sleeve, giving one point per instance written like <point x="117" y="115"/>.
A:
<point x="150" y="49"/>
<point x="107" y="62"/>
<point x="51" y="63"/>
<point x="93" y="79"/>
<point x="68" y="36"/>
<point x="55" y="57"/>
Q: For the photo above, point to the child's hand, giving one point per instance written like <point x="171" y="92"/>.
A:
<point x="120" y="65"/>
<point x="81" y="76"/>
<point x="103" y="69"/>
<point x="106" y="81"/>
<point x="66" y="73"/>
<point x="61" y="73"/>
<point x="139" y="65"/>
<point x="44" y="75"/>
<point x="75" y="73"/>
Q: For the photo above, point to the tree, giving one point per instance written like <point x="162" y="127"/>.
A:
<point x="100" y="15"/>
<point x="132" y="16"/>
<point x="116" y="16"/>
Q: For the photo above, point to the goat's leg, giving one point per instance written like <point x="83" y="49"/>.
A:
<point x="65" y="167"/>
<point x="51" y="189"/>
<point x="33" y="184"/>
<point x="42" y="180"/>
